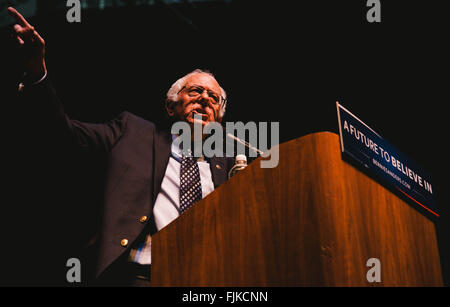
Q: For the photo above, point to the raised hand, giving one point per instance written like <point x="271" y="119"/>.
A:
<point x="32" y="44"/>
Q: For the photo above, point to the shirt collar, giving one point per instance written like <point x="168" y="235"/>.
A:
<point x="177" y="152"/>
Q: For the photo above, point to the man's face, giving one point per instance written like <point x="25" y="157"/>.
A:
<point x="200" y="96"/>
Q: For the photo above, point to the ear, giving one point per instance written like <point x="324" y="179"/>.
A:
<point x="170" y="108"/>
<point x="218" y="118"/>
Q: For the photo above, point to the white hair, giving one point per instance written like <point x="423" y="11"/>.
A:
<point x="172" y="93"/>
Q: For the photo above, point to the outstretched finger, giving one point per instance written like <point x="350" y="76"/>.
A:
<point x="18" y="17"/>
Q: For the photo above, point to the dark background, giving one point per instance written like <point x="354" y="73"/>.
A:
<point x="285" y="61"/>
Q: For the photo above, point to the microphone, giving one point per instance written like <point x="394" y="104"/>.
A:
<point x="246" y="144"/>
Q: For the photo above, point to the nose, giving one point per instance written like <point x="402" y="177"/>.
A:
<point x="204" y="98"/>
<point x="205" y="95"/>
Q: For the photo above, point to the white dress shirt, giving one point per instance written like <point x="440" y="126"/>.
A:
<point x="167" y="204"/>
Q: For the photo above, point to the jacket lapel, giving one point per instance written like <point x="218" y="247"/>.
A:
<point x="163" y="142"/>
<point x="218" y="170"/>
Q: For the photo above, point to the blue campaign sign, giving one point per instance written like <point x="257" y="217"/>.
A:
<point x="370" y="150"/>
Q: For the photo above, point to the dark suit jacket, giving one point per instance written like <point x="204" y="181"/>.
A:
<point x="136" y="154"/>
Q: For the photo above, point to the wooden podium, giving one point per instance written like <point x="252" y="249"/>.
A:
<point x="314" y="220"/>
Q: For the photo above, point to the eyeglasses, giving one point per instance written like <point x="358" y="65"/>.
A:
<point x="197" y="90"/>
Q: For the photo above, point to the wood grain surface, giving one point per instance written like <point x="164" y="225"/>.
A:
<point x="314" y="220"/>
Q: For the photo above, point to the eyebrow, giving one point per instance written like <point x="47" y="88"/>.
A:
<point x="198" y="85"/>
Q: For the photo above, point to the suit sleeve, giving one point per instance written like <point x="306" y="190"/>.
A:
<point x="96" y="137"/>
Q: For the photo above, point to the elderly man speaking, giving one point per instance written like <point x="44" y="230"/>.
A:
<point x="149" y="182"/>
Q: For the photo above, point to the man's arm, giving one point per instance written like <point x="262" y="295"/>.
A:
<point x="30" y="40"/>
<point x="97" y="137"/>
<point x="37" y="89"/>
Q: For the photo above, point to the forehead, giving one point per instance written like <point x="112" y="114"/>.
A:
<point x="204" y="80"/>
